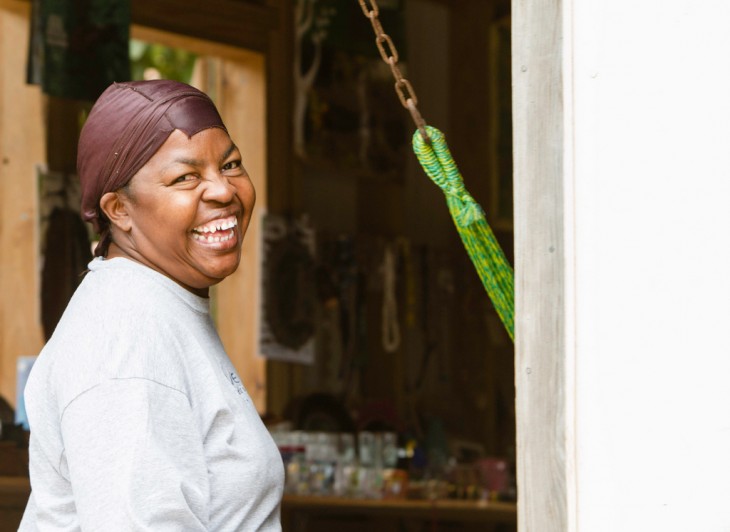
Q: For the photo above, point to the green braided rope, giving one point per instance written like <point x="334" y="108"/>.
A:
<point x="485" y="252"/>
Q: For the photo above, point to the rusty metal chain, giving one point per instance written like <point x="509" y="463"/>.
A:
<point x="389" y="53"/>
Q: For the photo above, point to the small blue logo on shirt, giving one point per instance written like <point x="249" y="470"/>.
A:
<point x="236" y="382"/>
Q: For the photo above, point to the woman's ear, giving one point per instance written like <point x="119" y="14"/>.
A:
<point x="114" y="205"/>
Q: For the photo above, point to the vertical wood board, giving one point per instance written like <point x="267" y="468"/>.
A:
<point x="22" y="146"/>
<point x="543" y="449"/>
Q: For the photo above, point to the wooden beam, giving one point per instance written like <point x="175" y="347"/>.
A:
<point x="198" y="46"/>
<point x="245" y="24"/>
<point x="543" y="366"/>
<point x="242" y="23"/>
<point x="19" y="7"/>
<point x="283" y="190"/>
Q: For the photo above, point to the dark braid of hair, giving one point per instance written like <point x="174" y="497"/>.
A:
<point x="105" y="233"/>
<point x="105" y="238"/>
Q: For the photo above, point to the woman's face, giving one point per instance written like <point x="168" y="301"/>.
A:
<point x="189" y="208"/>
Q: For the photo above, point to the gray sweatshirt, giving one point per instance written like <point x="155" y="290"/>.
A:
<point x="138" y="418"/>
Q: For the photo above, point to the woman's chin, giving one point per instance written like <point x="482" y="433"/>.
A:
<point x="219" y="269"/>
<point x="217" y="260"/>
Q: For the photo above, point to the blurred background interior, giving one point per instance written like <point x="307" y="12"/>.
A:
<point x="356" y="320"/>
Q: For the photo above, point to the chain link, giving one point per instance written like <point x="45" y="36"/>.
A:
<point x="389" y="53"/>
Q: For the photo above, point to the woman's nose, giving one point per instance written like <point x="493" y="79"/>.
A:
<point x="219" y="188"/>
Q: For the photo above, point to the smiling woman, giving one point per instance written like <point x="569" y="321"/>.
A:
<point x="185" y="212"/>
<point x="138" y="418"/>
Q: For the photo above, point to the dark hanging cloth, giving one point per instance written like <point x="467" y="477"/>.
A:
<point x="79" y="47"/>
<point x="67" y="253"/>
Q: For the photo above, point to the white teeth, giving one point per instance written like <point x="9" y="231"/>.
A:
<point x="219" y="226"/>
<point x="211" y="239"/>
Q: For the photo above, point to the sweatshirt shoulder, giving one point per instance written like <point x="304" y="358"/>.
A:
<point x="123" y="289"/>
<point x="120" y="324"/>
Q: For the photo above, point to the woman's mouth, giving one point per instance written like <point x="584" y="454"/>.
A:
<point x="216" y="231"/>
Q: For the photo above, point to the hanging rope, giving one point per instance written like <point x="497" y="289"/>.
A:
<point x="489" y="260"/>
<point x="433" y="153"/>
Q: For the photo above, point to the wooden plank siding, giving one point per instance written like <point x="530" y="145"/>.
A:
<point x="235" y="22"/>
<point x="239" y="29"/>
<point x="22" y="146"/>
<point x="543" y="370"/>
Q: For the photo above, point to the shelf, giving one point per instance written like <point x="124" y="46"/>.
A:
<point x="441" y="510"/>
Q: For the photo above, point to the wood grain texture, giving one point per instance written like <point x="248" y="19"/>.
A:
<point x="441" y="509"/>
<point x="235" y="22"/>
<point x="540" y="366"/>
<point x="284" y="177"/>
<point x="22" y="146"/>
<point x="283" y="191"/>
<point x="199" y="46"/>
<point x="18" y="7"/>
<point x="14" y="493"/>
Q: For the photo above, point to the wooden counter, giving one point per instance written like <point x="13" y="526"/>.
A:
<point x="321" y="514"/>
<point x="14" y="492"/>
<point x="315" y="514"/>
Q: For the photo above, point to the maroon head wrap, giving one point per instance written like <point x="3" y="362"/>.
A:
<point x="126" y="126"/>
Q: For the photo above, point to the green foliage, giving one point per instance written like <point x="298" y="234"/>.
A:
<point x="171" y="63"/>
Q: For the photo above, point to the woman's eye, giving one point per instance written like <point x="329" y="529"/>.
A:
<point x="233" y="165"/>
<point x="184" y="178"/>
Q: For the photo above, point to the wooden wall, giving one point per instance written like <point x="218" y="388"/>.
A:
<point x="22" y="146"/>
<point x="256" y="102"/>
<point x="234" y="30"/>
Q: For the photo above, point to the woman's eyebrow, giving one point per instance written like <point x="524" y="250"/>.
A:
<point x="198" y="162"/>
<point x="228" y="152"/>
<point x="189" y="162"/>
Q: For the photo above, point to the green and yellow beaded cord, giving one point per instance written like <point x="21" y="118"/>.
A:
<point x="494" y="270"/>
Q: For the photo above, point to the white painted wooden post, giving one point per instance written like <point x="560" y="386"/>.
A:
<point x="622" y="215"/>
<point x="542" y="372"/>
